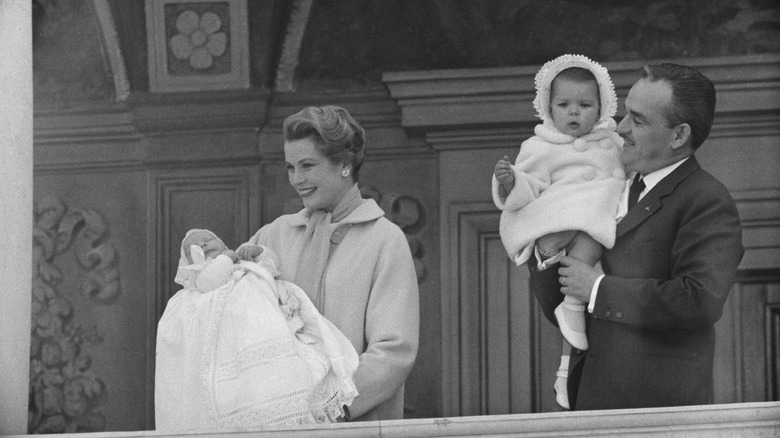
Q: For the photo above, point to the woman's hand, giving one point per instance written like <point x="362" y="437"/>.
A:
<point x="249" y="252"/>
<point x="232" y="254"/>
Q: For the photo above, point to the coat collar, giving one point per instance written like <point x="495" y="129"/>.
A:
<point x="367" y="211"/>
<point x="652" y="201"/>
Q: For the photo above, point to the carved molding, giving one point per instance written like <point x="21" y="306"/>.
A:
<point x="446" y="100"/>
<point x="145" y="113"/>
<point x="485" y="300"/>
<point x="197" y="45"/>
<point x="773" y="351"/>
<point x="65" y="393"/>
<point x="759" y="211"/>
<point x="177" y="129"/>
<point x="198" y="111"/>
<point x="409" y="214"/>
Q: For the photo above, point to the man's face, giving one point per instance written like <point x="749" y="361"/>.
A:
<point x="645" y="129"/>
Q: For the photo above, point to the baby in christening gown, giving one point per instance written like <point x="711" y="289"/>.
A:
<point x="237" y="347"/>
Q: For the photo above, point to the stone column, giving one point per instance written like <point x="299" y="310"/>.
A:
<point x="16" y="185"/>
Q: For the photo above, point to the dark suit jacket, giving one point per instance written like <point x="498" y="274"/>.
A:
<point x="651" y="333"/>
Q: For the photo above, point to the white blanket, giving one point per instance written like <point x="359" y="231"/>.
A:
<point x="250" y="353"/>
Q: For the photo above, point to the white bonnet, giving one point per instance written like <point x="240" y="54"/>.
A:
<point x="196" y="252"/>
<point x="550" y="70"/>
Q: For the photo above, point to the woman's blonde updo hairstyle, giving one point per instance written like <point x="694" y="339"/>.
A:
<point x="334" y="132"/>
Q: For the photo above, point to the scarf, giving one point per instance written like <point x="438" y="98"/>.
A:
<point x="321" y="228"/>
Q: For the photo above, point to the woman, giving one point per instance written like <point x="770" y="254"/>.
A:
<point x="353" y="263"/>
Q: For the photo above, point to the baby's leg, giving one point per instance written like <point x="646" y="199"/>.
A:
<point x="585" y="248"/>
<point x="571" y="312"/>
<point x="554" y="242"/>
<point x="562" y="377"/>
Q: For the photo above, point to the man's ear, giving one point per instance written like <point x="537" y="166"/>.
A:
<point x="681" y="135"/>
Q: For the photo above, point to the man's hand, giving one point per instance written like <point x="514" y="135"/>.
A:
<point x="249" y="252"/>
<point x="505" y="176"/>
<point x="577" y="278"/>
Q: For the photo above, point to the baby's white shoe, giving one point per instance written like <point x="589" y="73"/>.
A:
<point x="561" y="392"/>
<point x="571" y="321"/>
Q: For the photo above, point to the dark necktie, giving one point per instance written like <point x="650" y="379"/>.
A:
<point x="636" y="188"/>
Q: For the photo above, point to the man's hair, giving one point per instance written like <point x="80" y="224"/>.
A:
<point x="693" y="98"/>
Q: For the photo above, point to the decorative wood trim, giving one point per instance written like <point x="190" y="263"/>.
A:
<point x="199" y="111"/>
<point x="149" y="113"/>
<point x="96" y="123"/>
<point x="77" y="234"/>
<point x="473" y="295"/>
<point x="736" y="334"/>
<point x="451" y="140"/>
<point x="461" y="368"/>
<point x="748" y="86"/>
<point x="227" y="67"/>
<point x="773" y="351"/>
<point x="772" y="346"/>
<point x="759" y="212"/>
<point x="148" y="131"/>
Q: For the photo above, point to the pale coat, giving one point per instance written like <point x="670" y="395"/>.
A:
<point x="562" y="183"/>
<point x="369" y="291"/>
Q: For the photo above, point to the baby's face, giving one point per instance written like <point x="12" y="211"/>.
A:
<point x="574" y="106"/>
<point x="210" y="244"/>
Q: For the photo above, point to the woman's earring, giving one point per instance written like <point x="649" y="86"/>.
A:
<point x="345" y="173"/>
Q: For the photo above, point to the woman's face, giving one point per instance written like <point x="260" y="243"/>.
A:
<point x="317" y="180"/>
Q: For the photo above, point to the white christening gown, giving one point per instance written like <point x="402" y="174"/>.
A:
<point x="253" y="352"/>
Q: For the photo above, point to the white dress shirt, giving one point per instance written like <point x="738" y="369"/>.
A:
<point x="651" y="179"/>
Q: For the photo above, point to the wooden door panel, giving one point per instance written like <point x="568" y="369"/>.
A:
<point x="507" y="353"/>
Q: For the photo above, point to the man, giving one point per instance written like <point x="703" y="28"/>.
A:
<point x="653" y="308"/>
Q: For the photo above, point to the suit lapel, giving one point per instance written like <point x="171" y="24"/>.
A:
<point x="651" y="202"/>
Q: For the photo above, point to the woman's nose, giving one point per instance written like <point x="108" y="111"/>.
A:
<point x="295" y="177"/>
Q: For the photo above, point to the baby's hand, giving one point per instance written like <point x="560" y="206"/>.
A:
<point x="505" y="176"/>
<point x="232" y="254"/>
<point x="249" y="252"/>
